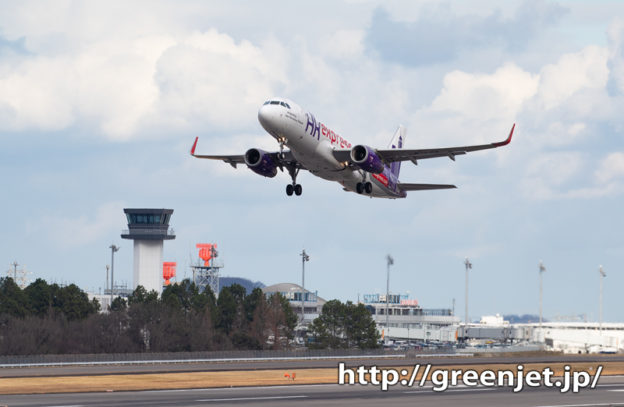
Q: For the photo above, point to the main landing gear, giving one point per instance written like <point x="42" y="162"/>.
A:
<point x="294" y="187"/>
<point x="361" y="187"/>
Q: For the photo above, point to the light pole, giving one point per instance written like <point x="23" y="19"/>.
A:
<point x="15" y="264"/>
<point x="602" y="276"/>
<point x="304" y="258"/>
<point x="542" y="269"/>
<point x="468" y="265"/>
<point x="389" y="262"/>
<point x="113" y="250"/>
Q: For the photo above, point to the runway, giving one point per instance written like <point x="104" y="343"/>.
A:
<point x="610" y="392"/>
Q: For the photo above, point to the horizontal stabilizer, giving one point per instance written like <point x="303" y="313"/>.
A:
<point x="423" y="187"/>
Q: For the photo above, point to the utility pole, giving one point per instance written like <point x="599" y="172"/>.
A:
<point x="15" y="264"/>
<point x="468" y="265"/>
<point x="602" y="276"/>
<point x="304" y="258"/>
<point x="107" y="268"/>
<point x="113" y="250"/>
<point x="542" y="269"/>
<point x="389" y="262"/>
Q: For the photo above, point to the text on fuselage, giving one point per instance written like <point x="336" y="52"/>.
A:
<point x="318" y="129"/>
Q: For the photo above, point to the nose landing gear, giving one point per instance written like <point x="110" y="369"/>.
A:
<point x="281" y="141"/>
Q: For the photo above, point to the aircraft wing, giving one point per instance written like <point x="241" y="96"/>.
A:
<point x="392" y="155"/>
<point x="286" y="160"/>
<point x="233" y="160"/>
<point x="422" y="187"/>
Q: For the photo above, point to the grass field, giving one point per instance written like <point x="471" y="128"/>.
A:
<point x="188" y="380"/>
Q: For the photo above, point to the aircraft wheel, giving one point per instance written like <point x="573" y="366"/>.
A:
<point x="289" y="189"/>
<point x="298" y="189"/>
<point x="368" y="187"/>
<point x="359" y="188"/>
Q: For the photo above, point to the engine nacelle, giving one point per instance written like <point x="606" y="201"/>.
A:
<point x="260" y="162"/>
<point x="365" y="158"/>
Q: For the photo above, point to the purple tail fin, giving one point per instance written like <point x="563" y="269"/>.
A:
<point x="397" y="142"/>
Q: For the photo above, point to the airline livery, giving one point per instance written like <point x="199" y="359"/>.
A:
<point x="315" y="147"/>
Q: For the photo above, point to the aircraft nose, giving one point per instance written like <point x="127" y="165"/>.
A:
<point x="264" y="115"/>
<point x="269" y="118"/>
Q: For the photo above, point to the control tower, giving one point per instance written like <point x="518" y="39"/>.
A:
<point x="148" y="228"/>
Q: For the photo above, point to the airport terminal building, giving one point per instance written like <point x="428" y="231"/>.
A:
<point x="293" y="293"/>
<point x="406" y="319"/>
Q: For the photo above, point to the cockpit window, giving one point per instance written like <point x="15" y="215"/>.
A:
<point x="277" y="102"/>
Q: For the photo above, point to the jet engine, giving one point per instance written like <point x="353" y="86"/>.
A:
<point x="365" y="158"/>
<point x="260" y="162"/>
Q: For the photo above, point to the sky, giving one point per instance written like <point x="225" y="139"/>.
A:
<point x="100" y="103"/>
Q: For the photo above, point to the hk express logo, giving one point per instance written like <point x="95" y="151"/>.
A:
<point x="318" y="129"/>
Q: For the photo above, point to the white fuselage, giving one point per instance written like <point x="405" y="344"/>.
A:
<point x="311" y="143"/>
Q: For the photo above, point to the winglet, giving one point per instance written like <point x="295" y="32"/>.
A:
<point x="508" y="140"/>
<point x="194" y="145"/>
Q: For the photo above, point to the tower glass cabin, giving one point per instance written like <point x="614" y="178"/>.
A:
<point x="148" y="228"/>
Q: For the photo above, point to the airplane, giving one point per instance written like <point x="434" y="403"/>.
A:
<point x="314" y="147"/>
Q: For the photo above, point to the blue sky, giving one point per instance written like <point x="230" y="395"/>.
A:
<point x="100" y="103"/>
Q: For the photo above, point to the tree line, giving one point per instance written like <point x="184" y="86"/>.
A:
<point x="51" y="319"/>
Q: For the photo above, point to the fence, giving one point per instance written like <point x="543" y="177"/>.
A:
<point x="181" y="357"/>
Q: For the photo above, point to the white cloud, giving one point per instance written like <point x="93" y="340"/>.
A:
<point x="498" y="95"/>
<point x="109" y="86"/>
<point x="562" y="175"/>
<point x="72" y="232"/>
<point x="572" y="73"/>
<point x="474" y="108"/>
<point x="558" y="134"/>
<point x="510" y="90"/>
<point x="547" y="174"/>
<point x="208" y="78"/>
<point x="33" y="94"/>
<point x="344" y="44"/>
<point x="616" y="56"/>
<point x="125" y="86"/>
<point x="611" y="168"/>
<point x="114" y="84"/>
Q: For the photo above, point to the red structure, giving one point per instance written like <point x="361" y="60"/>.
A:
<point x="169" y="271"/>
<point x="207" y="251"/>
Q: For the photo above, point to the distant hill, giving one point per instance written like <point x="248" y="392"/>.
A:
<point x="248" y="284"/>
<point x="522" y="319"/>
